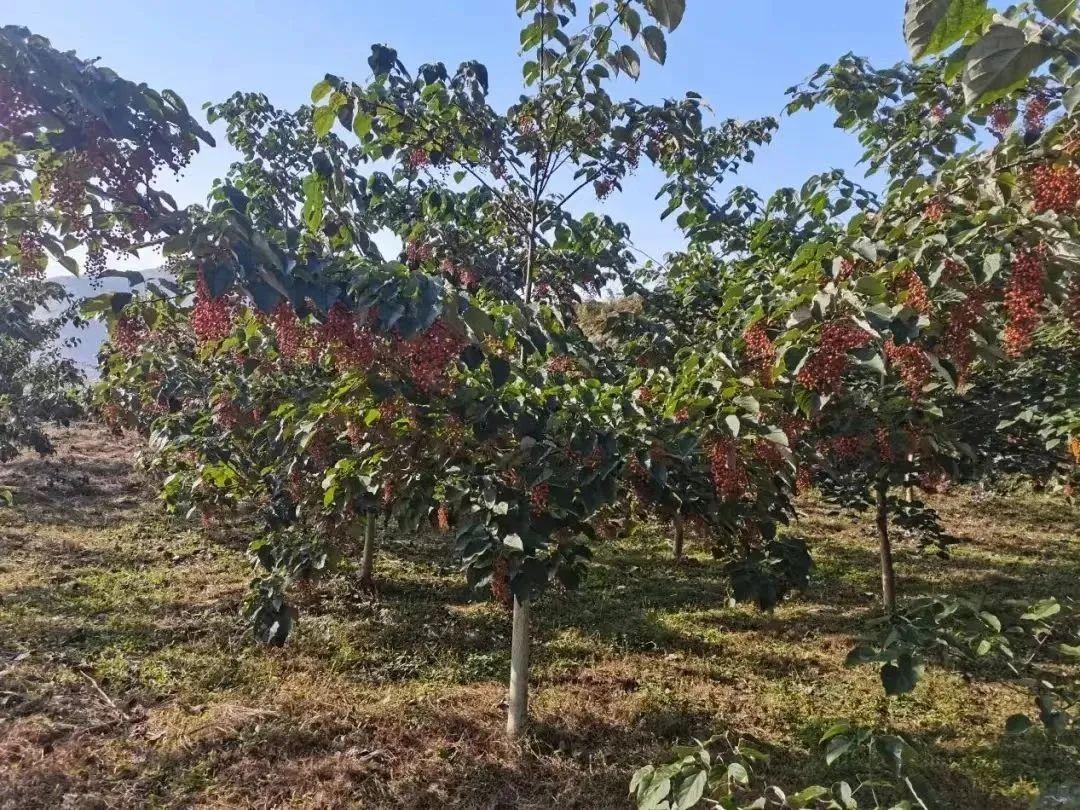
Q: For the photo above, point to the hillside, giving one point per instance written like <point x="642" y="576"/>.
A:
<point x="128" y="680"/>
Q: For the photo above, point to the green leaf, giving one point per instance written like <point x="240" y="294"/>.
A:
<point x="322" y="120"/>
<point x="806" y="796"/>
<point x="838" y="746"/>
<point x="320" y="91"/>
<point x="1072" y="95"/>
<point x="733" y="424"/>
<point x="1017" y="724"/>
<point x="901" y="677"/>
<point x="514" y="541"/>
<point x="361" y="124"/>
<point x="931" y="26"/>
<point x="655" y="44"/>
<point x="1071" y="650"/>
<point x="690" y="791"/>
<point x="631" y="62"/>
<point x="999" y="63"/>
<point x="1043" y="609"/>
<point x="668" y="13"/>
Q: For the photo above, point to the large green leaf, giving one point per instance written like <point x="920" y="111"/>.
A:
<point x="901" y="677"/>
<point x="655" y="44"/>
<point x="931" y="26"/>
<point x="1000" y="62"/>
<point x="668" y="13"/>
<point x="690" y="790"/>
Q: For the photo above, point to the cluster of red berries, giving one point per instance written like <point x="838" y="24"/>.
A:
<point x="129" y="335"/>
<point x="760" y="351"/>
<point x="912" y="364"/>
<point x="417" y="252"/>
<point x="512" y="478"/>
<point x="937" y="114"/>
<point x="918" y="295"/>
<point x="211" y="318"/>
<point x="793" y="426"/>
<point x="32" y="259"/>
<point x="386" y="494"/>
<point x="962" y="318"/>
<point x="645" y="395"/>
<point x="884" y="445"/>
<point x="288" y="330"/>
<point x="823" y="370"/>
<point x="847" y="270"/>
<point x="728" y="472"/>
<point x="804" y="478"/>
<point x="682" y="415"/>
<point x="561" y="364"/>
<point x="417" y="158"/>
<point x="934" y="482"/>
<point x="500" y="582"/>
<point x="1055" y="188"/>
<point x="226" y="414"/>
<point x="352" y="346"/>
<point x="430" y="356"/>
<point x="768" y="454"/>
<point x="356" y="433"/>
<point x="935" y="209"/>
<point x="1035" y="116"/>
<point x="1000" y="120"/>
<point x="442" y="518"/>
<point x="603" y="188"/>
<point x="318" y="447"/>
<point x="539" y="496"/>
<point x="842" y="448"/>
<point x="592" y="461"/>
<point x="16" y="110"/>
<point x="526" y="124"/>
<point x="1023" y="300"/>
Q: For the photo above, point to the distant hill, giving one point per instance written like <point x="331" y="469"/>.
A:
<point x="90" y="337"/>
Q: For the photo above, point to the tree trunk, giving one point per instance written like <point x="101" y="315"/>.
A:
<point x="888" y="575"/>
<point x="367" y="561"/>
<point x="677" y="543"/>
<point x="518" y="710"/>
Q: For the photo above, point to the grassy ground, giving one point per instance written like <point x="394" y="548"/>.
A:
<point x="126" y="678"/>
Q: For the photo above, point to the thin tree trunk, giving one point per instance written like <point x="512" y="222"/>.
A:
<point x="518" y="710"/>
<point x="888" y="575"/>
<point x="677" y="543"/>
<point x="367" y="561"/>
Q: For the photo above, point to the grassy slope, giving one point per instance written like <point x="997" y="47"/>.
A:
<point x="127" y="680"/>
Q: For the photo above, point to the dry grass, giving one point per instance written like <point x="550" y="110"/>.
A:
<point x="126" y="679"/>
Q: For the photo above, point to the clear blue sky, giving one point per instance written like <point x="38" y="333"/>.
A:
<point x="739" y="55"/>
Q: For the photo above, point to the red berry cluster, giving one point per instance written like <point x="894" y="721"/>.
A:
<point x="417" y="158"/>
<point x="935" y="209"/>
<point x="288" y="330"/>
<point x="539" y="496"/>
<point x="804" y="479"/>
<point x="937" y="114"/>
<point x="912" y="364"/>
<point x="129" y="335"/>
<point x="962" y="318"/>
<point x="417" y="252"/>
<point x="1035" y="116"/>
<point x="1055" y="188"/>
<point x="226" y="413"/>
<point x="841" y="448"/>
<point x="430" y="357"/>
<point x="728" y="472"/>
<point x="884" y="445"/>
<point x="318" y="447"/>
<point x="934" y="482"/>
<point x="32" y="259"/>
<point x="592" y="461"/>
<point x="847" y="270"/>
<point x="768" y="454"/>
<point x="760" y="351"/>
<point x="356" y="434"/>
<point x="823" y="370"/>
<point x="1000" y="120"/>
<point x="793" y="426"/>
<point x="918" y="295"/>
<point x="561" y="364"/>
<point x="682" y="415"/>
<point x="1072" y="303"/>
<point x="645" y="395"/>
<point x="352" y="345"/>
<point x="211" y="317"/>
<point x="500" y="582"/>
<point x="1023" y="300"/>
<point x="512" y="479"/>
<point x="603" y="188"/>
<point x="442" y="518"/>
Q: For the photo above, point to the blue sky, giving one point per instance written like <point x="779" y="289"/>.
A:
<point x="740" y="56"/>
